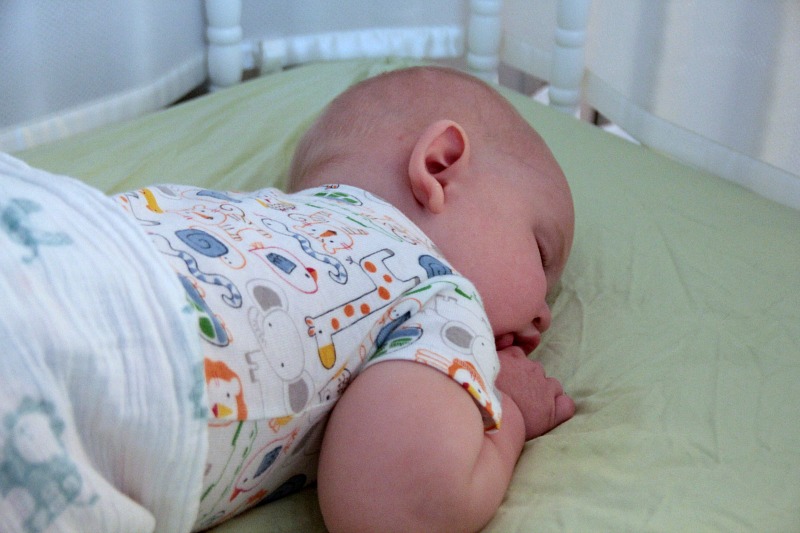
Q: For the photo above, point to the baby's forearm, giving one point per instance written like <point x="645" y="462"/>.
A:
<point x="509" y="440"/>
<point x="492" y="469"/>
<point x="405" y="450"/>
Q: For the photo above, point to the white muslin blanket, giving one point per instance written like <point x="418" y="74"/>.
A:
<point x="102" y="398"/>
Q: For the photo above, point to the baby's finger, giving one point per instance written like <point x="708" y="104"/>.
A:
<point x="555" y="387"/>
<point x="564" y="409"/>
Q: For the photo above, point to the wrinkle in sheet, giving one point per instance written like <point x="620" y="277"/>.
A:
<point x="566" y="336"/>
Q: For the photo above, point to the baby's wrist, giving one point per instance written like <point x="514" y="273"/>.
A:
<point x="513" y="420"/>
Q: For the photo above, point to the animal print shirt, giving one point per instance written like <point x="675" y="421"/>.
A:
<point x="296" y="294"/>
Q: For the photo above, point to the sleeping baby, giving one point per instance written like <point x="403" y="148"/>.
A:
<point x="176" y="355"/>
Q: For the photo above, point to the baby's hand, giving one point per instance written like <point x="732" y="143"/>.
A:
<point x="540" y="399"/>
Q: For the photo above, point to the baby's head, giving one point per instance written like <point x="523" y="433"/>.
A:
<point x="459" y="161"/>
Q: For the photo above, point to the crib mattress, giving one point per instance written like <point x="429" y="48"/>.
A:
<point x="676" y="327"/>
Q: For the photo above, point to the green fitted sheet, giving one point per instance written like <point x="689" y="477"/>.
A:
<point x="676" y="327"/>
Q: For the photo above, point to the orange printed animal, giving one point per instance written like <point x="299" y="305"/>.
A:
<point x="465" y="374"/>
<point x="225" y="394"/>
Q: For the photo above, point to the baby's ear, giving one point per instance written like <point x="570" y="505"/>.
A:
<point x="439" y="153"/>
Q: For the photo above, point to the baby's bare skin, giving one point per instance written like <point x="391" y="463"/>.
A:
<point x="540" y="399"/>
<point x="405" y="448"/>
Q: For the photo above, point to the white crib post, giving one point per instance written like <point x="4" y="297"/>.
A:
<point x="566" y="72"/>
<point x="224" y="34"/>
<point x="484" y="30"/>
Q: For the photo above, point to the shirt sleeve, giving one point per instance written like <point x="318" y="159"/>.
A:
<point x="441" y="323"/>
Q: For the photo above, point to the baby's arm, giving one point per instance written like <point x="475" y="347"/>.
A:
<point x="405" y="450"/>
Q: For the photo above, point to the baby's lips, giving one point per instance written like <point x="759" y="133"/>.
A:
<point x="528" y="343"/>
<point x="504" y="341"/>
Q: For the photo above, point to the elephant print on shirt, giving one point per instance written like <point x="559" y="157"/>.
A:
<point x="281" y="346"/>
<point x="469" y="340"/>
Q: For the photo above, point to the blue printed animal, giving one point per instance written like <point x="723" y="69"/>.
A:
<point x="35" y="464"/>
<point x="232" y="297"/>
<point x="15" y="220"/>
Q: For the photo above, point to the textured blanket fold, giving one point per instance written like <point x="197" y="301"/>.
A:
<point x="102" y="400"/>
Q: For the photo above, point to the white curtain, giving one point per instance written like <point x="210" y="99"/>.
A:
<point x="70" y="65"/>
<point x="714" y="83"/>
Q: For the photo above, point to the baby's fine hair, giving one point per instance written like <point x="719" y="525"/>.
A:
<point x="399" y="105"/>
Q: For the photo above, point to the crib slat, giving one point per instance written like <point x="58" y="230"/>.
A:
<point x="566" y="72"/>
<point x="484" y="29"/>
<point x="224" y="33"/>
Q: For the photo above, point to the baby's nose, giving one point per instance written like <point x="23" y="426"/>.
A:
<point x="543" y="319"/>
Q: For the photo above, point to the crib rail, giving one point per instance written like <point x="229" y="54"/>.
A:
<point x="480" y="45"/>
